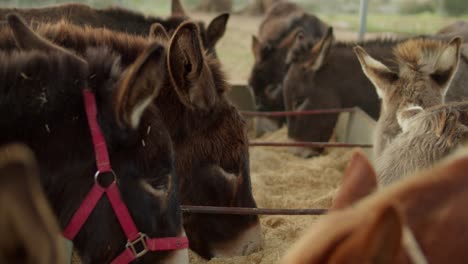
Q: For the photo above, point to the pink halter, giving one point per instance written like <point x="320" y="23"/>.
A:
<point x="138" y="244"/>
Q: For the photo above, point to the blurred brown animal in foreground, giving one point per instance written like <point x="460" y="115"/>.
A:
<point x="418" y="220"/>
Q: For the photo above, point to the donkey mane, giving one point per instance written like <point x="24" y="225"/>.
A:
<point x="129" y="47"/>
<point x="418" y="54"/>
<point x="381" y="41"/>
<point x="300" y="51"/>
<point x="82" y="14"/>
<point x="79" y="38"/>
<point x="127" y="14"/>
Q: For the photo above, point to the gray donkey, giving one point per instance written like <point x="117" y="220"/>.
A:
<point x="426" y="69"/>
<point x="427" y="136"/>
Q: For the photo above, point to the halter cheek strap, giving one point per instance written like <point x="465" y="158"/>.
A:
<point x="138" y="244"/>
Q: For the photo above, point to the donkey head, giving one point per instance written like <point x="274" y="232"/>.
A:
<point x="426" y="69"/>
<point x="138" y="143"/>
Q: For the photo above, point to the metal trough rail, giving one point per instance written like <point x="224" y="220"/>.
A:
<point x="308" y="144"/>
<point x="193" y="209"/>
<point x="354" y="126"/>
<point x="299" y="113"/>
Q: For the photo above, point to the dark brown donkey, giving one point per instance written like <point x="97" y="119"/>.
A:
<point x="208" y="133"/>
<point x="276" y="35"/>
<point x="30" y="233"/>
<point x="328" y="75"/>
<point x="120" y="19"/>
<point x="42" y="106"/>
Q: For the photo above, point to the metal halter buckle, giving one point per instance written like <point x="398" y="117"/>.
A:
<point x="133" y="245"/>
<point x="99" y="173"/>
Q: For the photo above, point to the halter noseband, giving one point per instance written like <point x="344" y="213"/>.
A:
<point x="138" y="244"/>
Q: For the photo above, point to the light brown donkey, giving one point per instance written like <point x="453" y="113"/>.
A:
<point x="426" y="69"/>
<point x="29" y="231"/>
<point x="419" y="220"/>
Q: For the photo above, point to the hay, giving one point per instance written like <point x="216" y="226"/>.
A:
<point x="282" y="180"/>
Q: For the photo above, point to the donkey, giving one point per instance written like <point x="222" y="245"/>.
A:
<point x="122" y="20"/>
<point x="455" y="27"/>
<point x="213" y="170"/>
<point x="418" y="220"/>
<point x="426" y="70"/>
<point x="45" y="90"/>
<point x="327" y="75"/>
<point x="30" y="232"/>
<point x="276" y="35"/>
<point x="359" y="180"/>
<point x="427" y="136"/>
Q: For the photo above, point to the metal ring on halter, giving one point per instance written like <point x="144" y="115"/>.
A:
<point x="96" y="175"/>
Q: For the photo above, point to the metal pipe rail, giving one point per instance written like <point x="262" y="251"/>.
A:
<point x="193" y="209"/>
<point x="308" y="144"/>
<point x="299" y="113"/>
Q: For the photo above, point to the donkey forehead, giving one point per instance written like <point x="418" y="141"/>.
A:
<point x="415" y="87"/>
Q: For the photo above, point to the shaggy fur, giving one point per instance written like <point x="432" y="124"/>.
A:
<point x="42" y="106"/>
<point x="427" y="137"/>
<point x="425" y="72"/>
<point x="201" y="180"/>
<point x="418" y="55"/>
<point x="117" y="19"/>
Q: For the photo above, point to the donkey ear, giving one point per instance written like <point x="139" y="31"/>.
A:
<point x="141" y="84"/>
<point x="22" y="158"/>
<point x="256" y="48"/>
<point x="377" y="242"/>
<point x="31" y="215"/>
<point x="26" y="39"/>
<point x="189" y="74"/>
<point x="321" y="50"/>
<point x="216" y="30"/>
<point x="295" y="52"/>
<point x="359" y="180"/>
<point x="290" y="39"/>
<point x="447" y="64"/>
<point x="158" y="33"/>
<point x="177" y="8"/>
<point x="379" y="74"/>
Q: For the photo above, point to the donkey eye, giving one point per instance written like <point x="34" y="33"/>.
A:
<point x="440" y="78"/>
<point x="231" y="169"/>
<point x="160" y="182"/>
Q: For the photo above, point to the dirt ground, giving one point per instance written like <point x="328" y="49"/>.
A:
<point x="282" y="180"/>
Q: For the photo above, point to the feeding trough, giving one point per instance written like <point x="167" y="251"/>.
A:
<point x="354" y="127"/>
<point x="242" y="97"/>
